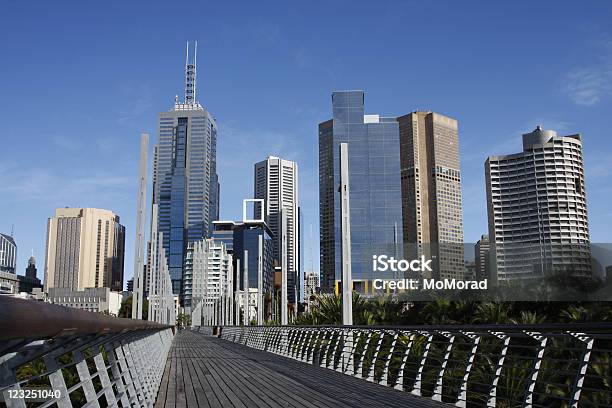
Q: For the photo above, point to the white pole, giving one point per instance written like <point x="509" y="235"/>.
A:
<point x="245" y="277"/>
<point x="260" y="294"/>
<point x="153" y="275"/>
<point x="230" y="293"/>
<point x="236" y="294"/>
<point x="345" y="215"/>
<point x="284" y="317"/>
<point x="138" y="293"/>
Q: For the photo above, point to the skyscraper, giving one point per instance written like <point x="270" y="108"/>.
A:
<point x="186" y="185"/>
<point x="537" y="208"/>
<point x="375" y="189"/>
<point x="276" y="182"/>
<point x="431" y="190"/>
<point x="85" y="249"/>
<point x="31" y="269"/>
<point x="8" y="253"/>
<point x="481" y="257"/>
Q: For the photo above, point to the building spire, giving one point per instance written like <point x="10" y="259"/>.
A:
<point x="191" y="75"/>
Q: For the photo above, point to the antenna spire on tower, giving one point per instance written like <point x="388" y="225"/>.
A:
<point x="190" y="75"/>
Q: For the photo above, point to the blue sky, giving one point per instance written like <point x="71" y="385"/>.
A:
<point x="80" y="81"/>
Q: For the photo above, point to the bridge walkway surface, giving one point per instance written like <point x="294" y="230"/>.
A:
<point x="204" y="371"/>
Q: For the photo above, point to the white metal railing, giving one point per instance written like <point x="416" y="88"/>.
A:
<point x="489" y="366"/>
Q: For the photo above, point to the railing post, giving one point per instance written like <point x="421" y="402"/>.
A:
<point x="298" y="345"/>
<point x="331" y="359"/>
<point x="462" y="397"/>
<point x="492" y="401"/>
<point x="584" y="364"/>
<point x="305" y="345"/>
<point x="362" y="357"/>
<point x="323" y="352"/>
<point x="57" y="383"/>
<point x="416" y="389"/>
<point x="371" y="372"/>
<point x="347" y="351"/>
<point x="437" y="394"/>
<point x="399" y="383"/>
<point x="84" y="377"/>
<point x="536" y="366"/>
<point x="385" y="374"/>
<point x="312" y="347"/>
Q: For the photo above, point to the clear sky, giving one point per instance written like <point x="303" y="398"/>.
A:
<point x="79" y="82"/>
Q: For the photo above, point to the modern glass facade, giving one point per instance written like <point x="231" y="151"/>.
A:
<point x="187" y="186"/>
<point x="238" y="237"/>
<point x="375" y="189"/>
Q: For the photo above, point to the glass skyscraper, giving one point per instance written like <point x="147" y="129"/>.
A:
<point x="186" y="185"/>
<point x="375" y="189"/>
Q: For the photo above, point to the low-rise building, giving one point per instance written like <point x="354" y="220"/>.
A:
<point x="100" y="300"/>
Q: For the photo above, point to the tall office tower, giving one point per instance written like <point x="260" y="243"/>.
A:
<point x="375" y="189"/>
<point x="207" y="268"/>
<point x="481" y="257"/>
<point x="537" y="208"/>
<point x="276" y="182"/>
<point x="431" y="190"/>
<point x="85" y="249"/>
<point x="185" y="175"/>
<point x="31" y="269"/>
<point x="8" y="253"/>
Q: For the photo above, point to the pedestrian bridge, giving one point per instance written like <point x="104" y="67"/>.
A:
<point x="52" y="356"/>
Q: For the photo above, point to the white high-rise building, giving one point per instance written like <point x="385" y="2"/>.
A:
<point x="537" y="208"/>
<point x="207" y="267"/>
<point x="276" y="182"/>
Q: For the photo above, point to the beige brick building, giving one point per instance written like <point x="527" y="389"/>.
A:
<point x="431" y="190"/>
<point x="85" y="249"/>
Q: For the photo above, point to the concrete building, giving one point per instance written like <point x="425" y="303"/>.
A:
<point x="311" y="288"/>
<point x="276" y="182"/>
<point x="99" y="300"/>
<point x="375" y="190"/>
<point x="482" y="258"/>
<point x="8" y="253"/>
<point x="207" y="269"/>
<point x="431" y="191"/>
<point x="9" y="283"/>
<point x="537" y="208"/>
<point x="85" y="249"/>
<point x="185" y="181"/>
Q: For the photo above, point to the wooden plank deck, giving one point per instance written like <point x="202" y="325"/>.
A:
<point x="204" y="371"/>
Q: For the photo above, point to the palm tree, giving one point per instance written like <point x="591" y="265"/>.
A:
<point x="492" y="312"/>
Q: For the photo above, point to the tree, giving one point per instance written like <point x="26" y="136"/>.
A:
<point x="126" y="308"/>
<point x="183" y="320"/>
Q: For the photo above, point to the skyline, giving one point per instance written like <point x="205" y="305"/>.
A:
<point x="572" y="98"/>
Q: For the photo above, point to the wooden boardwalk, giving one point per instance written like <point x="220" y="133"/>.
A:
<point x="204" y="371"/>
